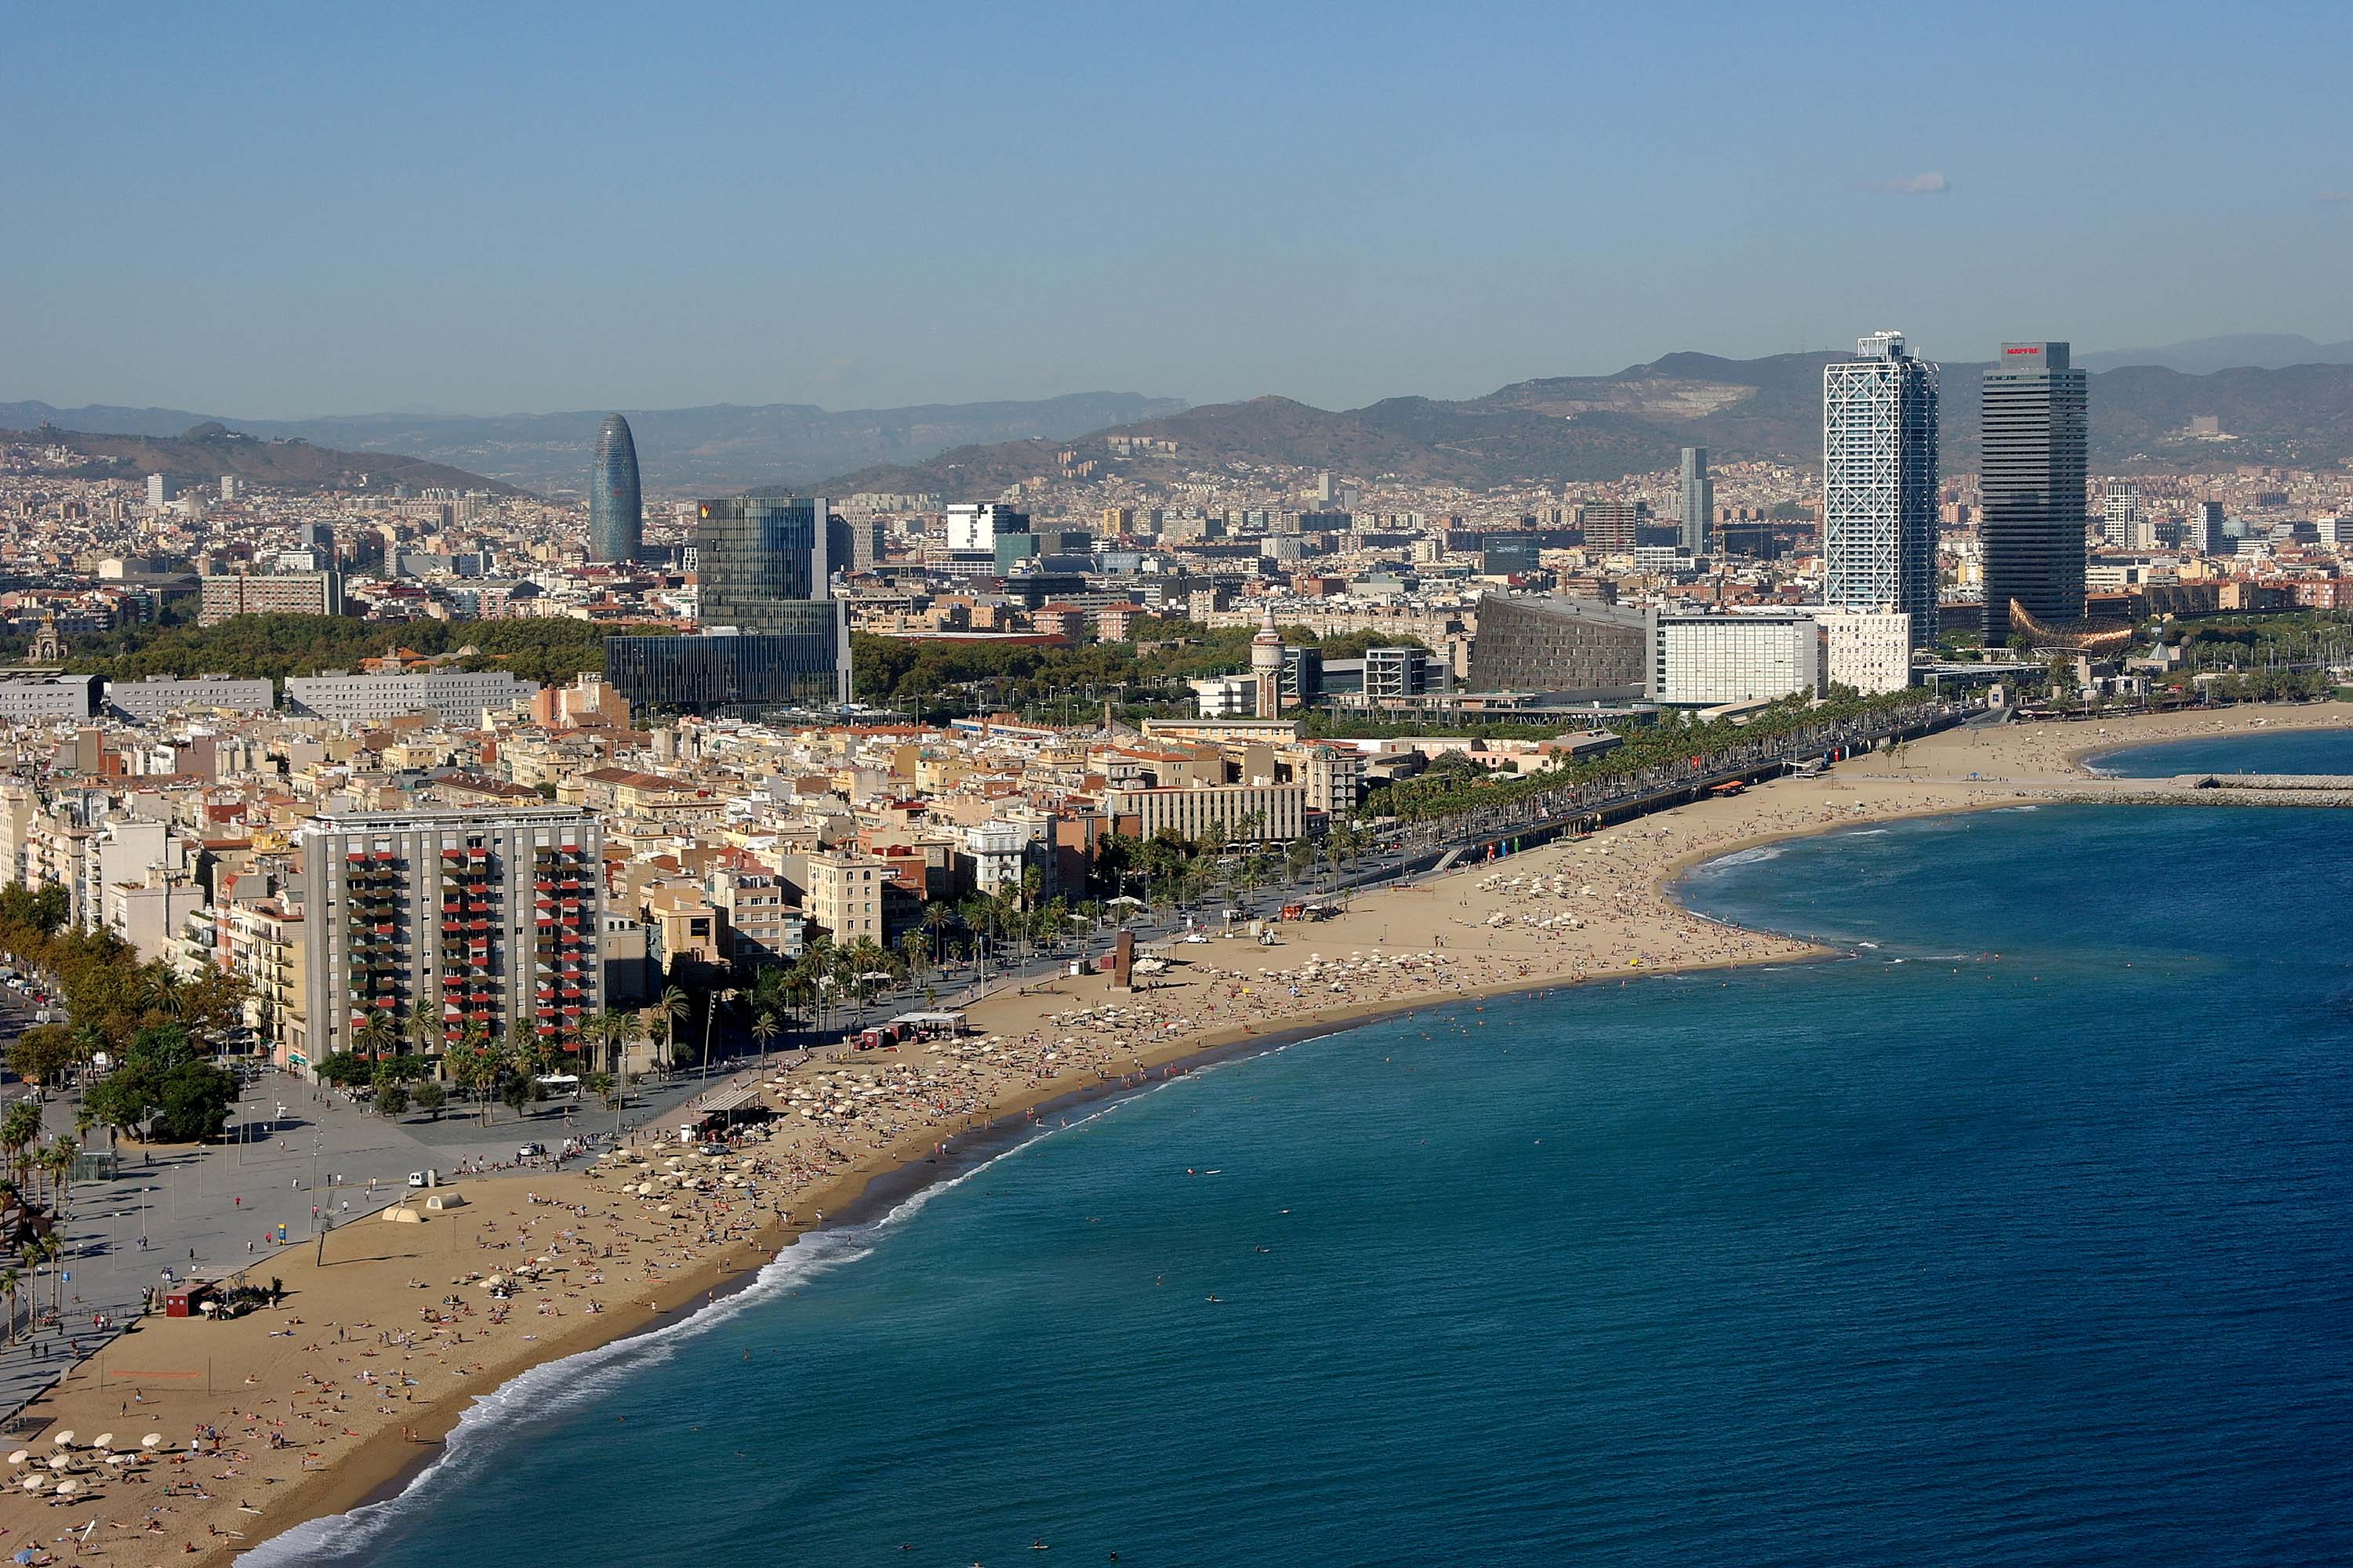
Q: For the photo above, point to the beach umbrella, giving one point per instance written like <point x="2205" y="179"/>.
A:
<point x="60" y="1461"/>
<point x="152" y="1440"/>
<point x="33" y="1483"/>
<point x="19" y="1456"/>
<point x="68" y="1487"/>
<point x="103" y="1440"/>
<point x="64" y="1439"/>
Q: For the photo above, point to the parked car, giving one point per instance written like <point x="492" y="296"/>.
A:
<point x="415" y="1178"/>
<point x="532" y="1151"/>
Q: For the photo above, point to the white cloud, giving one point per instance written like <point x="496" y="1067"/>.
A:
<point x="1928" y="185"/>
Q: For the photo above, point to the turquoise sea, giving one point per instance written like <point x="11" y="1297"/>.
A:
<point x="2022" y="1234"/>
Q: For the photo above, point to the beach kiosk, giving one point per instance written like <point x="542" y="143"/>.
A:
<point x="187" y="1301"/>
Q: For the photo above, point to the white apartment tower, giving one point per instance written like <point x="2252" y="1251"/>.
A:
<point x="1879" y="483"/>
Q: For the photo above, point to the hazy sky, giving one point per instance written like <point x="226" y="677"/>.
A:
<point x="305" y="210"/>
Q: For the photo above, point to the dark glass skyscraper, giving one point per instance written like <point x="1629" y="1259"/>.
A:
<point x="616" y="514"/>
<point x="2036" y="427"/>
<point x="773" y="633"/>
<point x="755" y="555"/>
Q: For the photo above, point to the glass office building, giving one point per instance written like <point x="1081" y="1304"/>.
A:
<point x="754" y="555"/>
<point x="741" y="675"/>
<point x="773" y="635"/>
<point x="2035" y="424"/>
<point x="616" y="514"/>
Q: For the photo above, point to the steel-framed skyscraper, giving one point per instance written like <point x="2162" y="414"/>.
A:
<point x="2036" y="422"/>
<point x="1695" y="501"/>
<point x="616" y="516"/>
<point x="1879" y="483"/>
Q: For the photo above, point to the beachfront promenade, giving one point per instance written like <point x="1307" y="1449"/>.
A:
<point x="296" y="1153"/>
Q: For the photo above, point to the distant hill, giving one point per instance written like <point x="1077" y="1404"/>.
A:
<point x="1568" y="429"/>
<point x="2204" y="356"/>
<point x="200" y="456"/>
<point x="715" y="450"/>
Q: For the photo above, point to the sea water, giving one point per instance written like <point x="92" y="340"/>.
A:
<point x="2022" y="1236"/>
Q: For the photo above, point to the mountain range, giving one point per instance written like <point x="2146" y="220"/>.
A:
<point x="201" y="455"/>
<point x="711" y="451"/>
<point x="2204" y="356"/>
<point x="2278" y="399"/>
<point x="1568" y="429"/>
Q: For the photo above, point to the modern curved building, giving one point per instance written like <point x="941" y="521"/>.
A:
<point x="616" y="516"/>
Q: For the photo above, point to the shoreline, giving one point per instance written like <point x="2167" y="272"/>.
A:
<point x="854" y="1193"/>
<point x="384" y="1463"/>
<point x="856" y="1200"/>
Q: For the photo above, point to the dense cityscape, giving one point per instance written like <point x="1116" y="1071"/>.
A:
<point x="765" y="750"/>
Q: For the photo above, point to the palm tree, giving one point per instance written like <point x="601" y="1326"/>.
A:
<point x="763" y="1030"/>
<point x="61" y="1156"/>
<point x="376" y="1036"/>
<point x="627" y="1032"/>
<point x="11" y="1282"/>
<point x="426" y="1032"/>
<point x="675" y="1009"/>
<point x="712" y="1002"/>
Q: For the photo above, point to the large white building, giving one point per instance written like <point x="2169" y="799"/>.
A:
<point x="151" y="697"/>
<point x="974" y="525"/>
<point x="1879" y="483"/>
<point x="1867" y="650"/>
<point x="459" y="696"/>
<point x="1708" y="661"/>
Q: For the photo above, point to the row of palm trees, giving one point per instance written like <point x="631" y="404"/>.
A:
<point x="30" y="1222"/>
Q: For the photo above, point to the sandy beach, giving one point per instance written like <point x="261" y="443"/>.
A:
<point x="308" y="1408"/>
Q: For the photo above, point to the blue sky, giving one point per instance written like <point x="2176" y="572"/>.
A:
<point x="280" y="211"/>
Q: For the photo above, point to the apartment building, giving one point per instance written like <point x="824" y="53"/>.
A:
<point x="486" y="919"/>
<point x="1264" y="814"/>
<point x="841" y="893"/>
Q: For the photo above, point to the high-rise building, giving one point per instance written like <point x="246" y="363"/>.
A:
<point x="1695" y="501"/>
<point x="2120" y="517"/>
<point x="1879" y="483"/>
<point x="763" y="569"/>
<point x="757" y="557"/>
<point x="482" y="920"/>
<point x="160" y="491"/>
<point x="617" y="518"/>
<point x="2036" y="427"/>
<point x="2209" y="530"/>
<point x="1612" y="526"/>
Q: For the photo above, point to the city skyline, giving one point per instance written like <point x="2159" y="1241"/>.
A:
<point x="1427" y="248"/>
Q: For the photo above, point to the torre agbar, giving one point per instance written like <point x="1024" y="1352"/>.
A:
<point x="616" y="516"/>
